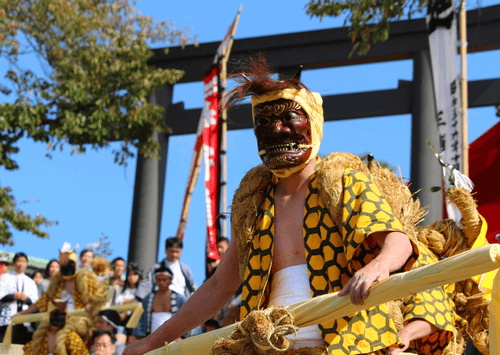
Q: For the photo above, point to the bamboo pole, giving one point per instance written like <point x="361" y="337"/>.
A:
<point x="223" y="152"/>
<point x="193" y="177"/>
<point x="495" y="316"/>
<point x="223" y="146"/>
<point x="464" y="87"/>
<point x="327" y="307"/>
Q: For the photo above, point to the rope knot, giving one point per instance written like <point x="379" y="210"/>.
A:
<point x="261" y="332"/>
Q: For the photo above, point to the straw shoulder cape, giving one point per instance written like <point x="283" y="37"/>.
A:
<point x="78" y="329"/>
<point x="441" y="238"/>
<point x="337" y="243"/>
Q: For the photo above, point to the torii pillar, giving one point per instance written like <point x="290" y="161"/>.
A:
<point x="425" y="169"/>
<point x="149" y="187"/>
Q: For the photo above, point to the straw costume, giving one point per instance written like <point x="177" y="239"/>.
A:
<point x="336" y="237"/>
<point x="77" y="330"/>
<point x="87" y="290"/>
<point x="346" y="202"/>
<point x="70" y="340"/>
<point x="460" y="312"/>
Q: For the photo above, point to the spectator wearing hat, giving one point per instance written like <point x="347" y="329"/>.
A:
<point x="17" y="293"/>
<point x="159" y="306"/>
<point x="110" y="320"/>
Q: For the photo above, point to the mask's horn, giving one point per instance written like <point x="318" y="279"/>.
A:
<point x="299" y="71"/>
<point x="246" y="77"/>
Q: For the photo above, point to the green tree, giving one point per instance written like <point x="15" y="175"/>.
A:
<point x="368" y="20"/>
<point x="93" y="89"/>
<point x="102" y="248"/>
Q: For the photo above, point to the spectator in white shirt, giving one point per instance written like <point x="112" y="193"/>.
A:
<point x="17" y="293"/>
<point x="183" y="281"/>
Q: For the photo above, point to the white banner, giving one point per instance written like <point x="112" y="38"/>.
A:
<point x="442" y="24"/>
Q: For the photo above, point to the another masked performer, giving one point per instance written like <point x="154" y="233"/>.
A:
<point x="78" y="289"/>
<point x="61" y="335"/>
<point x="287" y="245"/>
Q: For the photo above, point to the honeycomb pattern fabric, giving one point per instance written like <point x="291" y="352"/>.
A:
<point x="42" y="350"/>
<point x="435" y="306"/>
<point x="75" y="344"/>
<point x="333" y="255"/>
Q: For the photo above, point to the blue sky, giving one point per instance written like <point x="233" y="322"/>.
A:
<point x="90" y="195"/>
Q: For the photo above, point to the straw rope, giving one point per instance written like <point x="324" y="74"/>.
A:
<point x="331" y="306"/>
<point x="263" y="332"/>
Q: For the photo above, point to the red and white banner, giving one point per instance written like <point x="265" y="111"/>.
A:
<point x="210" y="139"/>
<point x="207" y="137"/>
<point x="207" y="141"/>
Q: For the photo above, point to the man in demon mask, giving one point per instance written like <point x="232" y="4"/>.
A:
<point x="286" y="244"/>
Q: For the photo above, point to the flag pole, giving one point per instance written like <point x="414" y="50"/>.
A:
<point x="464" y="87"/>
<point x="194" y="171"/>
<point x="223" y="150"/>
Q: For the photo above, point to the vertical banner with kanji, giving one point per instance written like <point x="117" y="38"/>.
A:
<point x="210" y="139"/>
<point x="442" y="26"/>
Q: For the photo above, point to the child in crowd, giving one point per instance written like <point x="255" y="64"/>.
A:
<point x="159" y="306"/>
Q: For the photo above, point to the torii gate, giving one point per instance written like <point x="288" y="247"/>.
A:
<point x="315" y="50"/>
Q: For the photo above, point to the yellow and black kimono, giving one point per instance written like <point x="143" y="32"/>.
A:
<point x="333" y="253"/>
<point x="73" y="342"/>
<point x="435" y="306"/>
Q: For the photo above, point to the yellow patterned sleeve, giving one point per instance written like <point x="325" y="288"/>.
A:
<point x="92" y="282"/>
<point x="365" y="211"/>
<point x="75" y="344"/>
<point x="43" y="303"/>
<point x="433" y="306"/>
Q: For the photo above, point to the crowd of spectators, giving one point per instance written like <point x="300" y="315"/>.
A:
<point x="162" y="291"/>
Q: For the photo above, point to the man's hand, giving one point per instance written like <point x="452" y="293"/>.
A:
<point x="405" y="338"/>
<point x="416" y="329"/>
<point x="20" y="296"/>
<point x="359" y="285"/>
<point x="395" y="250"/>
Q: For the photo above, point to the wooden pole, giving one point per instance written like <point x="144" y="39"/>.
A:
<point x="223" y="150"/>
<point x="327" y="307"/>
<point x="464" y="87"/>
<point x="193" y="177"/>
